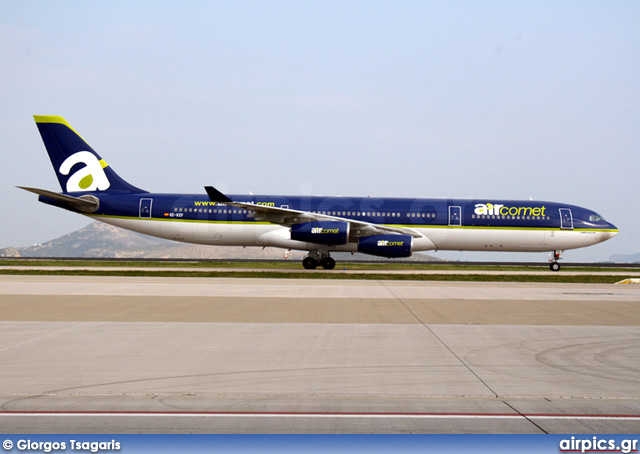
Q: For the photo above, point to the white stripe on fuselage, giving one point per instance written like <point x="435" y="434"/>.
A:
<point x="441" y="238"/>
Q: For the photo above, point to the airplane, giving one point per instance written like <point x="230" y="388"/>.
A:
<point x="379" y="226"/>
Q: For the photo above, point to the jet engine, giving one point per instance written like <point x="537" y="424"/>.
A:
<point x="321" y="232"/>
<point x="386" y="245"/>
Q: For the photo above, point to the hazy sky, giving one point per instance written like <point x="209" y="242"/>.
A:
<point x="487" y="99"/>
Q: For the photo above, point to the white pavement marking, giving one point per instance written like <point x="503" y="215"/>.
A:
<point x="327" y="415"/>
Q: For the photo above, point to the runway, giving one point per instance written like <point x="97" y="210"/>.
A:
<point x="344" y="270"/>
<point x="226" y="355"/>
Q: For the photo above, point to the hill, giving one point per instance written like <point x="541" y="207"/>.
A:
<point x="99" y="240"/>
<point x="625" y="258"/>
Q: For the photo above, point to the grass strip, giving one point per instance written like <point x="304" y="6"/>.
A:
<point x="547" y="278"/>
<point x="349" y="266"/>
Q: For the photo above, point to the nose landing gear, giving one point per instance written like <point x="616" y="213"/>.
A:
<point x="314" y="259"/>
<point x="553" y="258"/>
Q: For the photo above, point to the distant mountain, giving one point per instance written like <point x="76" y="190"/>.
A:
<point x="625" y="258"/>
<point x="100" y="240"/>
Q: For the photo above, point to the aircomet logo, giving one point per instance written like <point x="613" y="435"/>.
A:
<point x="89" y="178"/>
<point x="390" y="243"/>
<point x="489" y="209"/>
<point x="321" y="230"/>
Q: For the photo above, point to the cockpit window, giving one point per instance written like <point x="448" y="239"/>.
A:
<point x="596" y="218"/>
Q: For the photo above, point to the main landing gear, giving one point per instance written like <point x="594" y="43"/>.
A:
<point x="553" y="258"/>
<point x="314" y="259"/>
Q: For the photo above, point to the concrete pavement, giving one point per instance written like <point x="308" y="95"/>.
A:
<point x="118" y="354"/>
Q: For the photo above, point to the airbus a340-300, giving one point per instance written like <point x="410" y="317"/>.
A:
<point x="379" y="226"/>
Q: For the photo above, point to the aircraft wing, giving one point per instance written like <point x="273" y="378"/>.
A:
<point x="288" y="217"/>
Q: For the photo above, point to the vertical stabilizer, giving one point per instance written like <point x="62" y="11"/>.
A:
<point x="78" y="167"/>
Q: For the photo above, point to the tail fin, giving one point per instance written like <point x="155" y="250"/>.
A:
<point x="78" y="167"/>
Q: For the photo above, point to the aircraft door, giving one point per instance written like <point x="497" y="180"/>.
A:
<point x="145" y="208"/>
<point x="455" y="216"/>
<point x="566" y="219"/>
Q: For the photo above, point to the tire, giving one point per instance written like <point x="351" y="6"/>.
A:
<point x="328" y="263"/>
<point x="555" y="266"/>
<point x="309" y="263"/>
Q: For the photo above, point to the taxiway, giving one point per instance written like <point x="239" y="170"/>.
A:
<point x="175" y="355"/>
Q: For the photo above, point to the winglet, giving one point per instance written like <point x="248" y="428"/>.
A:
<point x="216" y="196"/>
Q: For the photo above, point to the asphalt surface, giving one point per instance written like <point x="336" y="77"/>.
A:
<point x="183" y="355"/>
<point x="340" y="269"/>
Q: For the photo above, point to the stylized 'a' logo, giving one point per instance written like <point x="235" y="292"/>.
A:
<point x="89" y="178"/>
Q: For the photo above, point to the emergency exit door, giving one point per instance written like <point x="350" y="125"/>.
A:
<point x="145" y="208"/>
<point x="455" y="216"/>
<point x="566" y="219"/>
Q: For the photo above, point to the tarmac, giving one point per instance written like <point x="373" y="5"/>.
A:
<point x="632" y="273"/>
<point x="229" y="355"/>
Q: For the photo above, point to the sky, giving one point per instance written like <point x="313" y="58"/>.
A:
<point x="466" y="99"/>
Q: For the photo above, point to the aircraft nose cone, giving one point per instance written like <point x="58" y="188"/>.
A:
<point x="613" y="231"/>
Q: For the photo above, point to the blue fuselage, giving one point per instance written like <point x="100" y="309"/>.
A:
<point x="457" y="224"/>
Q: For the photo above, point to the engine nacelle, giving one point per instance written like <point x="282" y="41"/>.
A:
<point x="386" y="245"/>
<point x="321" y="232"/>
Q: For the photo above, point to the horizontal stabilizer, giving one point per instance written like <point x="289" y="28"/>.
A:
<point x="86" y="203"/>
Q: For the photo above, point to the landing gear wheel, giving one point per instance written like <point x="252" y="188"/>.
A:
<point x="328" y="263"/>
<point x="553" y="259"/>
<point x="309" y="263"/>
